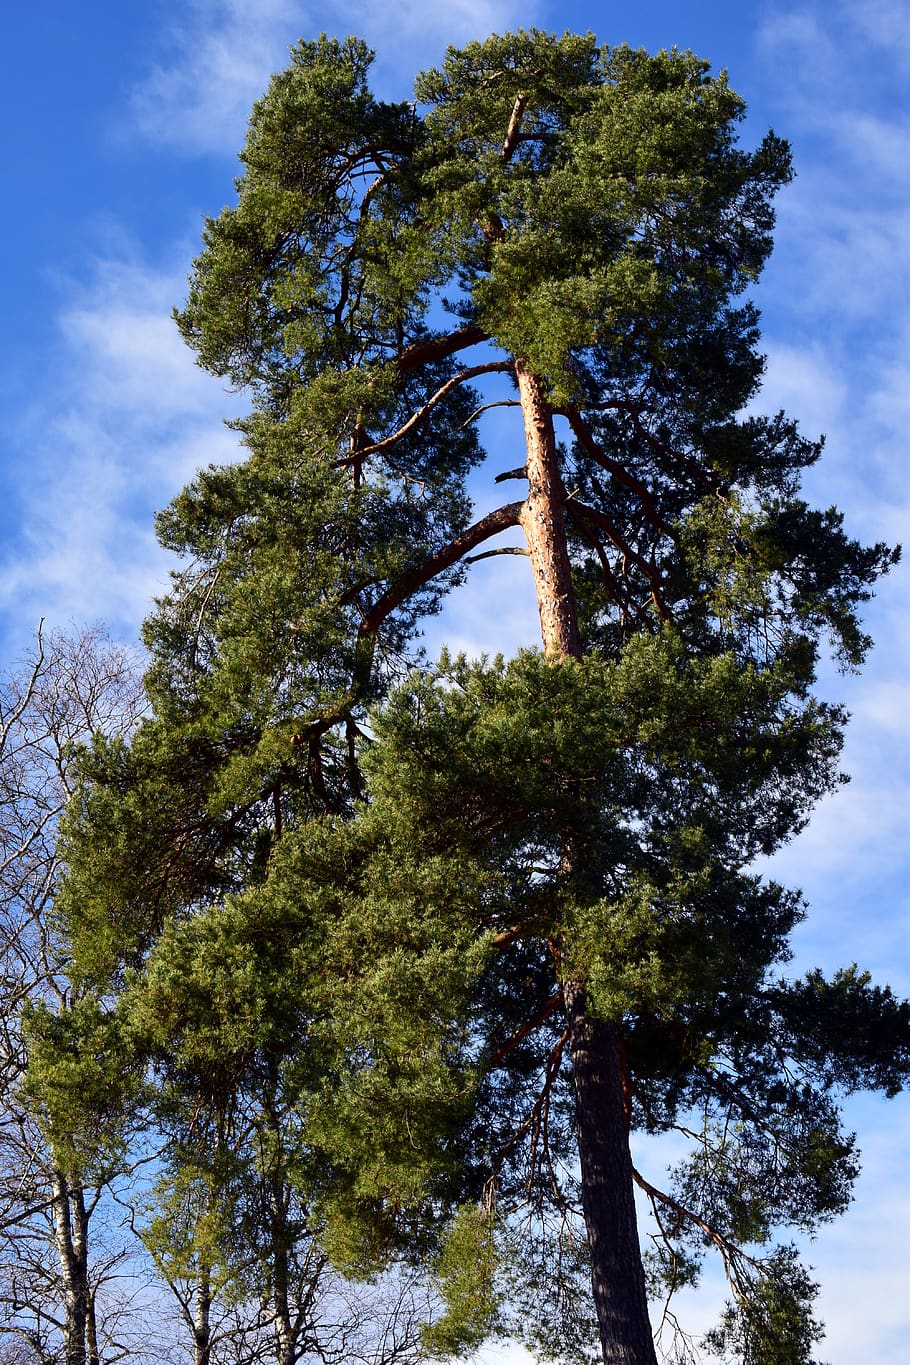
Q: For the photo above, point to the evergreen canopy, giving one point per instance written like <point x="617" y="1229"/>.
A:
<point x="450" y="959"/>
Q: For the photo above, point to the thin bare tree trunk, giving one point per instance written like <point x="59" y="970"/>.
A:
<point x="71" y="1235"/>
<point x="91" y="1330"/>
<point x="80" y="1216"/>
<point x="202" y="1309"/>
<point x="284" y="1332"/>
<point x="617" y="1274"/>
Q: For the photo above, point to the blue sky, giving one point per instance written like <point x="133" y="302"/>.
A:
<point x="121" y="126"/>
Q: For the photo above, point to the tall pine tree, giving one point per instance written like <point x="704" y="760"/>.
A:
<point x="526" y="925"/>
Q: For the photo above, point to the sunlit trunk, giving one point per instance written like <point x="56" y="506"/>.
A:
<point x="80" y="1216"/>
<point x="202" y="1309"/>
<point x="71" y="1236"/>
<point x="603" y="1132"/>
<point x="543" y="521"/>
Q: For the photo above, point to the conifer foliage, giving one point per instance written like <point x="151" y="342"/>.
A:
<point x="413" y="952"/>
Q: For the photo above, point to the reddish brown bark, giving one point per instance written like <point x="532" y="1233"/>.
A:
<point x="439" y="348"/>
<point x="543" y="522"/>
<point x="363" y="448"/>
<point x="499" y="520"/>
<point x="605" y="1162"/>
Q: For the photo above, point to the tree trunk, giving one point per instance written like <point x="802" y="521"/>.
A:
<point x="91" y="1331"/>
<point x="71" y="1236"/>
<point x="543" y="521"/>
<point x="202" y="1310"/>
<point x="608" y="1200"/>
<point x="81" y="1217"/>
<point x="284" y="1331"/>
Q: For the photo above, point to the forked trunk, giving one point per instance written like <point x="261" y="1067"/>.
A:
<point x="617" y="1274"/>
<point x="71" y="1236"/>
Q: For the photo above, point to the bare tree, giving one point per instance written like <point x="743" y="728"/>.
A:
<point x="52" y="1278"/>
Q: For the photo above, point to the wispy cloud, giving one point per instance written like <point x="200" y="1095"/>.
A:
<point x="864" y="1284"/>
<point x="836" y="328"/>
<point x="412" y="34"/>
<point x="123" y="420"/>
<point x="210" y="65"/>
<point x="843" y="225"/>
<point x="813" y="39"/>
<point x="838" y="347"/>
<point x="883" y="24"/>
<point x="215" y="60"/>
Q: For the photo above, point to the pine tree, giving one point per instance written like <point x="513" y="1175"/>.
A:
<point x="526" y="924"/>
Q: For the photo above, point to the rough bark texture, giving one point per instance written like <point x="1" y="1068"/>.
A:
<point x="543" y="522"/>
<point x="202" y="1328"/>
<point x="71" y="1232"/>
<point x="607" y="1191"/>
<point x="284" y="1328"/>
<point x="81" y="1217"/>
<point x="617" y="1274"/>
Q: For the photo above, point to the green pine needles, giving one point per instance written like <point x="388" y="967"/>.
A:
<point x="408" y="954"/>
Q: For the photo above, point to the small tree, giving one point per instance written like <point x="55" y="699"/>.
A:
<point x="541" y="931"/>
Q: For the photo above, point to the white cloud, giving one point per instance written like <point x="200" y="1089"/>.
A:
<point x="495" y="612"/>
<point x="412" y="34"/>
<point x="809" y="41"/>
<point x="876" y="144"/>
<point x="861" y="1259"/>
<point x="836" y="331"/>
<point x="839" y="360"/>
<point x="859" y="404"/>
<point x="804" y="381"/>
<point x="840" y="258"/>
<point x="212" y="63"/>
<point x="797" y="33"/>
<point x="123" y="420"/>
<point x="216" y="59"/>
<point x="843" y="225"/>
<point x="137" y="357"/>
<point x="884" y="23"/>
<point x="889" y="401"/>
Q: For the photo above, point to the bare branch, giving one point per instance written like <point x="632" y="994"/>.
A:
<point x="575" y="508"/>
<point x="729" y="1251"/>
<point x="422" y="413"/>
<point x="491" y="554"/>
<point x="550" y="1007"/>
<point x="520" y="473"/>
<point x="510" y="141"/>
<point x="439" y="348"/>
<point x="585" y="438"/>
<point x="490" y="525"/>
<point x="485" y="407"/>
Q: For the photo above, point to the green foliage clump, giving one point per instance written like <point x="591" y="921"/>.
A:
<point x="466" y="1272"/>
